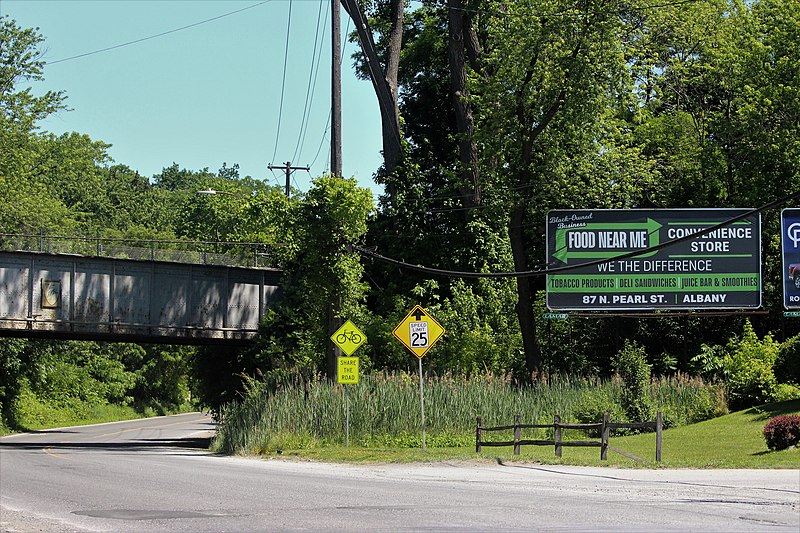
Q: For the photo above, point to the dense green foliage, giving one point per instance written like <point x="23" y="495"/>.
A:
<point x="787" y="364"/>
<point x="631" y="366"/>
<point x="563" y="105"/>
<point x="78" y="376"/>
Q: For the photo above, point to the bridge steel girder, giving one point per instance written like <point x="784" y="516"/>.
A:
<point x="98" y="298"/>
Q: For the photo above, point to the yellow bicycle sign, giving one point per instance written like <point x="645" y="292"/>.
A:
<point x="348" y="338"/>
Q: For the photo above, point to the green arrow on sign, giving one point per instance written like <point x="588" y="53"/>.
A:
<point x="564" y="255"/>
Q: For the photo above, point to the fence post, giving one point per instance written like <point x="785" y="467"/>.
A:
<point x="604" y="434"/>
<point x="516" y="434"/>
<point x="41" y="240"/>
<point x="659" y="427"/>
<point x="152" y="249"/>
<point x="557" y="434"/>
<point x="478" y="424"/>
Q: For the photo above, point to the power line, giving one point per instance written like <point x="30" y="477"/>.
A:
<point x="324" y="138"/>
<point x="311" y="78"/>
<point x="275" y="177"/>
<point x="543" y="270"/>
<point x="283" y="83"/>
<point x="316" y="76"/>
<point x="175" y="30"/>
<point x="212" y="19"/>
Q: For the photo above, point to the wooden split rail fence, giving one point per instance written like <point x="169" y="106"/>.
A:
<point x="604" y="428"/>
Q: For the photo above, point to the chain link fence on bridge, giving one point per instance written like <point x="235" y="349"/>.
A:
<point x="244" y="254"/>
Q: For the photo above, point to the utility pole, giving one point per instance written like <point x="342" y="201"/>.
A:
<point x="335" y="303"/>
<point x="336" y="92"/>
<point x="288" y="168"/>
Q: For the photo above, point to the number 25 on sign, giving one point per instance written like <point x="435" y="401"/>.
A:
<point x="418" y="331"/>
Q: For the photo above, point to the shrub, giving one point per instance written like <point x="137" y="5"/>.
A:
<point x="748" y="370"/>
<point x="687" y="400"/>
<point x="708" y="364"/>
<point x="594" y="403"/>
<point x="787" y="365"/>
<point x="785" y="392"/>
<point x="631" y="365"/>
<point x="782" y="432"/>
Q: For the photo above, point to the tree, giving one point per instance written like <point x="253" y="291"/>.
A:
<point x="12" y="371"/>
<point x="463" y="41"/>
<point x="331" y="216"/>
<point x="541" y="116"/>
<point x="383" y="74"/>
<point x="21" y="61"/>
<point x="315" y="229"/>
<point x="24" y="201"/>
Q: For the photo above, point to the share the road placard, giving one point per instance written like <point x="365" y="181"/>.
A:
<point x="720" y="270"/>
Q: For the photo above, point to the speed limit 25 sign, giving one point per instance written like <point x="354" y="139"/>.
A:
<point x="418" y="331"/>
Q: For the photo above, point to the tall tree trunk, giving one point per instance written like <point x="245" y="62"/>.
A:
<point x="460" y="32"/>
<point x="529" y="136"/>
<point x="525" y="315"/>
<point x="384" y="82"/>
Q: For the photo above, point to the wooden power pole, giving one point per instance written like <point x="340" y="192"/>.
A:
<point x="288" y="168"/>
<point x="336" y="92"/>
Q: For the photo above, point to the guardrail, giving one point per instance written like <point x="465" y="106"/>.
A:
<point x="222" y="253"/>
<point x="604" y="428"/>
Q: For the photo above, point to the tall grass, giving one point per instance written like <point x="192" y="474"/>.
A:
<point x="298" y="412"/>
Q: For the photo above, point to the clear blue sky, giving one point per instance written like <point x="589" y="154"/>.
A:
<point x="207" y="94"/>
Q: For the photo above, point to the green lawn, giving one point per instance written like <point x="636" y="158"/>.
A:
<point x="731" y="441"/>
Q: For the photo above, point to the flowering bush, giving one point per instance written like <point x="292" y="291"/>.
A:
<point x="782" y="432"/>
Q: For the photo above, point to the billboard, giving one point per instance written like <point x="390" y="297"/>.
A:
<point x="594" y="264"/>
<point x="790" y="251"/>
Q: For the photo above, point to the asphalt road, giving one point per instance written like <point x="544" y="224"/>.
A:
<point x="154" y="475"/>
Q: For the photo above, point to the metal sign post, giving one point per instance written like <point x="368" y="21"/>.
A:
<point x="421" y="402"/>
<point x="418" y="332"/>
<point x="349" y="338"/>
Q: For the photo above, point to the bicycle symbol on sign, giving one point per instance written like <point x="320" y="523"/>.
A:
<point x="348" y="335"/>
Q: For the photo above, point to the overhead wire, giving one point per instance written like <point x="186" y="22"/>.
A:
<point x="274" y="177"/>
<point x="544" y="270"/>
<point x="328" y="122"/>
<point x="283" y="83"/>
<point x="162" y="34"/>
<point x="322" y="141"/>
<point x="375" y="76"/>
<point x="311" y="80"/>
<point x="316" y="75"/>
<point x="236" y="11"/>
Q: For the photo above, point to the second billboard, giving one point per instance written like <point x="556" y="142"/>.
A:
<point x="718" y="270"/>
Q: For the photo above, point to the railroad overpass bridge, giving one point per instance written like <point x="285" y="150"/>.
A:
<point x="72" y="296"/>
